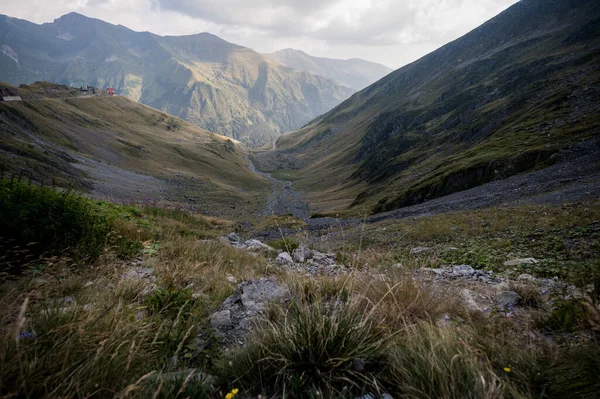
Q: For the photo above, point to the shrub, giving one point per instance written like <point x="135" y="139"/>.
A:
<point x="38" y="221"/>
<point x="323" y="348"/>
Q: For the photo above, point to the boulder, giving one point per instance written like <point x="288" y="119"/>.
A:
<point x="301" y="254"/>
<point x="507" y="300"/>
<point x="256" y="245"/>
<point x="233" y="237"/>
<point x="221" y="320"/>
<point x="239" y="312"/>
<point x="284" y="258"/>
<point x="462" y="271"/>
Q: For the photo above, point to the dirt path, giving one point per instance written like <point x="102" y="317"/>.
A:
<point x="283" y="200"/>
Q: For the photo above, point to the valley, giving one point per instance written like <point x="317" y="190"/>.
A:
<point x="240" y="225"/>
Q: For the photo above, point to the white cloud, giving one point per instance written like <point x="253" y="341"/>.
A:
<point x="393" y="32"/>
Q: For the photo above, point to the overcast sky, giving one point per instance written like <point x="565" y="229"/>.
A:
<point x="392" y="32"/>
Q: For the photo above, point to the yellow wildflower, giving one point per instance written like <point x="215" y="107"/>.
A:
<point x="235" y="391"/>
<point x="507" y="369"/>
<point x="229" y="396"/>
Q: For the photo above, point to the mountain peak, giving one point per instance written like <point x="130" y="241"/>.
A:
<point x="355" y="72"/>
<point x="72" y="16"/>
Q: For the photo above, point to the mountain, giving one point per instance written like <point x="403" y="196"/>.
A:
<point x="354" y="73"/>
<point x="507" y="98"/>
<point x="217" y="85"/>
<point x="119" y="149"/>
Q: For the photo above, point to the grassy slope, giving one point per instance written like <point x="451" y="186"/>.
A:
<point x="75" y="331"/>
<point x="499" y="101"/>
<point x="44" y="137"/>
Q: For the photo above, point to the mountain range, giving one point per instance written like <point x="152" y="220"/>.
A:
<point x="507" y="98"/>
<point x="354" y="73"/>
<point x="217" y="85"/>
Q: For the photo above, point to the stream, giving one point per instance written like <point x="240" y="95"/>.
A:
<point x="284" y="199"/>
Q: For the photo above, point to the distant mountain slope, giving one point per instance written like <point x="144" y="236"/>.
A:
<point x="355" y="73"/>
<point x="116" y="148"/>
<point x="502" y="100"/>
<point x="219" y="86"/>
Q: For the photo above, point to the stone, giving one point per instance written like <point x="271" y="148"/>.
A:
<point x="301" y="254"/>
<point x="462" y="271"/>
<point x="522" y="261"/>
<point x="420" y="250"/>
<point x="358" y="365"/>
<point x="256" y="295"/>
<point x="256" y="245"/>
<point x="233" y="237"/>
<point x="526" y="277"/>
<point x="284" y="258"/>
<point x="224" y="240"/>
<point x="240" y="312"/>
<point x="220" y="320"/>
<point x="507" y="299"/>
<point x="474" y="300"/>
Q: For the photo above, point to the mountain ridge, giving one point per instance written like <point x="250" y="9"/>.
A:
<point x="353" y="72"/>
<point x="200" y="78"/>
<point x="501" y="100"/>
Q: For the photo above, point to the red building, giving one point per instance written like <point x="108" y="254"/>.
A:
<point x="110" y="91"/>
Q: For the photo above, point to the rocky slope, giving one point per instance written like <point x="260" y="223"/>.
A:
<point x="217" y="85"/>
<point x="355" y="73"/>
<point x="118" y="149"/>
<point x="502" y="100"/>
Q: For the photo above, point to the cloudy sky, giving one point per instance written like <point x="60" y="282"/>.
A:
<point x="393" y="32"/>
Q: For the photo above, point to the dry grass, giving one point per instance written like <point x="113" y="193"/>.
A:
<point x="373" y="330"/>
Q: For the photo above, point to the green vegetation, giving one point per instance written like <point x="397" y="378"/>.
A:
<point x="40" y="222"/>
<point x="73" y="331"/>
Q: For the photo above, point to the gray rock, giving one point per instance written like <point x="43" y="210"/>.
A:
<point x="221" y="320"/>
<point x="284" y="259"/>
<point x="507" y="299"/>
<point x="233" y="237"/>
<point x="474" y="300"/>
<point x="526" y="277"/>
<point x="420" y="250"/>
<point x="256" y="245"/>
<point x="301" y="254"/>
<point x="522" y="261"/>
<point x="462" y="271"/>
<point x="358" y="364"/>
<point x="258" y="293"/>
<point x="238" y="313"/>
<point x="224" y="240"/>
